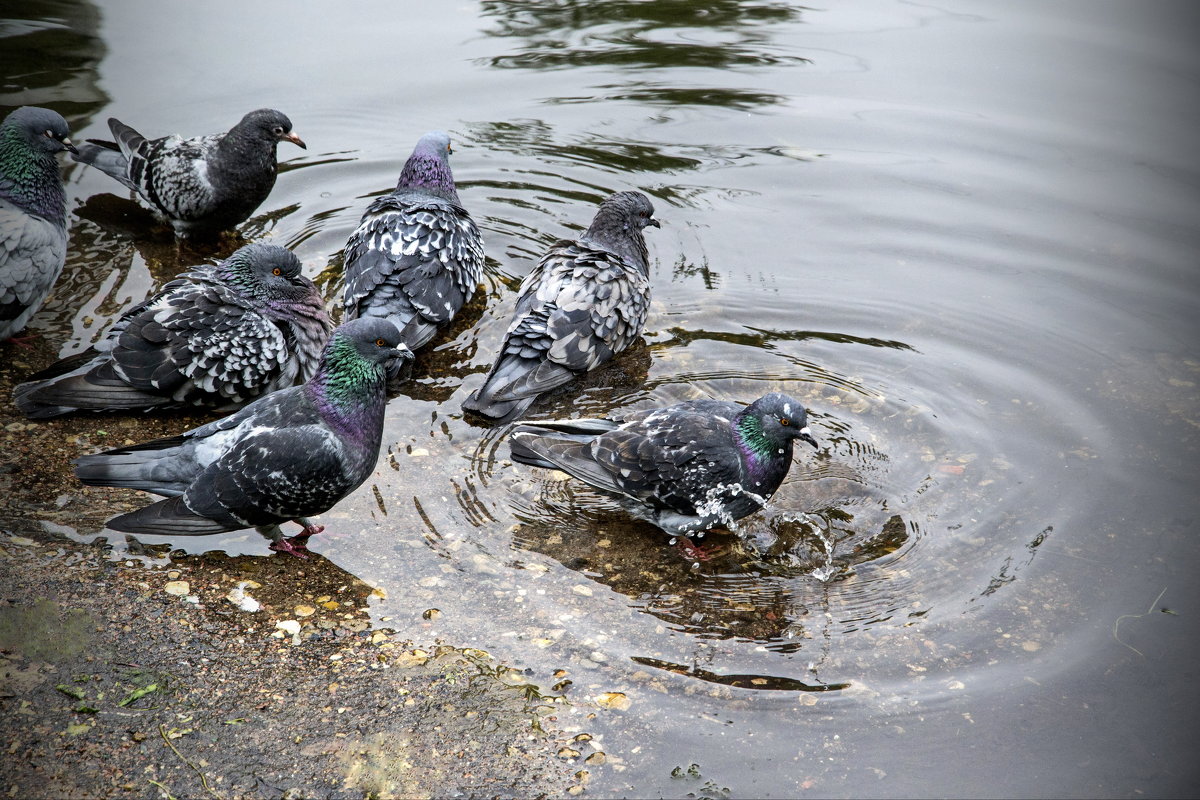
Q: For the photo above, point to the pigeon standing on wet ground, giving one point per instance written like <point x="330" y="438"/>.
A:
<point x="33" y="212"/>
<point x="286" y="456"/>
<point x="416" y="257"/>
<point x="687" y="467"/>
<point x="584" y="302"/>
<point x="202" y="185"/>
<point x="219" y="336"/>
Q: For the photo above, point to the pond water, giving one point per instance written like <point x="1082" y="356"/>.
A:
<point x="965" y="236"/>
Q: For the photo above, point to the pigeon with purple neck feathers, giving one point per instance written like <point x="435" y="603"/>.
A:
<point x="202" y="185"/>
<point x="416" y="257"/>
<point x="687" y="467"/>
<point x="286" y="456"/>
<point x="584" y="302"/>
<point x="33" y="212"/>
<point x="219" y="336"/>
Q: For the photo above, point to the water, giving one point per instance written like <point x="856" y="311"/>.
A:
<point x="965" y="237"/>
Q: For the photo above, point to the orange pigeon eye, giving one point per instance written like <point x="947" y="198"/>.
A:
<point x="381" y="343"/>
<point x="784" y="421"/>
<point x="277" y="271"/>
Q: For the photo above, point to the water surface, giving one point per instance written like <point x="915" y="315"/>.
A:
<point x="965" y="237"/>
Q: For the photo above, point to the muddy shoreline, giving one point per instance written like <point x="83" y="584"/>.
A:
<point x="145" y="673"/>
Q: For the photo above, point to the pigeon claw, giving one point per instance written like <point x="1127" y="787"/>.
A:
<point x="696" y="552"/>
<point x="23" y="342"/>
<point x="291" y="547"/>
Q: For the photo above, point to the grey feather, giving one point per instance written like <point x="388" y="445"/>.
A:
<point x="687" y="467"/>
<point x="417" y="256"/>
<point x="582" y="304"/>
<point x="218" y="336"/>
<point x="205" y="184"/>
<point x="286" y="456"/>
<point x="33" y="216"/>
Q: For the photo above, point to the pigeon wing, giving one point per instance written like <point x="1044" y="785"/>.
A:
<point x="416" y="261"/>
<point x="273" y="475"/>
<point x="677" y="461"/>
<point x="203" y="343"/>
<point x="577" y="309"/>
<point x="32" y="253"/>
<point x="171" y="173"/>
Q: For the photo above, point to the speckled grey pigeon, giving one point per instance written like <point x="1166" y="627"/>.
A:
<point x="686" y="467"/>
<point x="33" y="213"/>
<point x="582" y="304"/>
<point x="286" y="456"/>
<point x="416" y="256"/>
<point x="218" y="336"/>
<point x="206" y="184"/>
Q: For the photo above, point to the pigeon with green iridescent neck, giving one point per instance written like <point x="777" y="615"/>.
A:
<point x="202" y="185"/>
<point x="287" y="456"/>
<point x="219" y="336"/>
<point x="416" y="257"/>
<point x="33" y="213"/>
<point x="584" y="302"/>
<point x="687" y="467"/>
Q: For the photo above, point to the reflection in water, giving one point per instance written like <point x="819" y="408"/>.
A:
<point x="739" y="592"/>
<point x="49" y="57"/>
<point x="541" y="142"/>
<point x="728" y="34"/>
<point x="758" y="682"/>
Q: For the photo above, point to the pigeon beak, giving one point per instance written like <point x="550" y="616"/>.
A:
<point x="807" y="436"/>
<point x="399" y="366"/>
<point x="66" y="143"/>
<point x="654" y="222"/>
<point x="296" y="140"/>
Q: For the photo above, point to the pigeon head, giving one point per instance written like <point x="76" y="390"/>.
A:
<point x="428" y="168"/>
<point x="769" y="424"/>
<point x="618" y="224"/>
<point x="270" y="125"/>
<point x="269" y="274"/>
<point x="40" y="129"/>
<point x="625" y="211"/>
<point x="365" y="349"/>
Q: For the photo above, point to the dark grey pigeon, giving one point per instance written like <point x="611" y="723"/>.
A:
<point x="33" y="213"/>
<point x="687" y="467"/>
<point x="218" y="336"/>
<point x="207" y="184"/>
<point x="416" y="256"/>
<point x="582" y="304"/>
<point x="286" y="456"/>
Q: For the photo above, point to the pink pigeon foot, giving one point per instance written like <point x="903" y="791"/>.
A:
<point x="291" y="547"/>
<point x="22" y="342"/>
<point x="696" y="552"/>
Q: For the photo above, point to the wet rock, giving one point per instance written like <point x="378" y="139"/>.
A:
<point x="617" y="700"/>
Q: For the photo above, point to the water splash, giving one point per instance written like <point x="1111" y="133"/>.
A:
<point x="827" y="570"/>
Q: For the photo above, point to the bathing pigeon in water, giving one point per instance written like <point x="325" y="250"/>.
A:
<point x="417" y="256"/>
<point x="33" y="213"/>
<point x="687" y="467"/>
<point x="582" y="304"/>
<point x="207" y="184"/>
<point x="218" y="336"/>
<point x="285" y="456"/>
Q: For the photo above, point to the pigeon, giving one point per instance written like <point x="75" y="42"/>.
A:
<point x="687" y="467"/>
<point x="33" y="213"/>
<point x="416" y="256"/>
<point x="286" y="456"/>
<point x="582" y="304"/>
<point x="219" y="336"/>
<point x="206" y="184"/>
